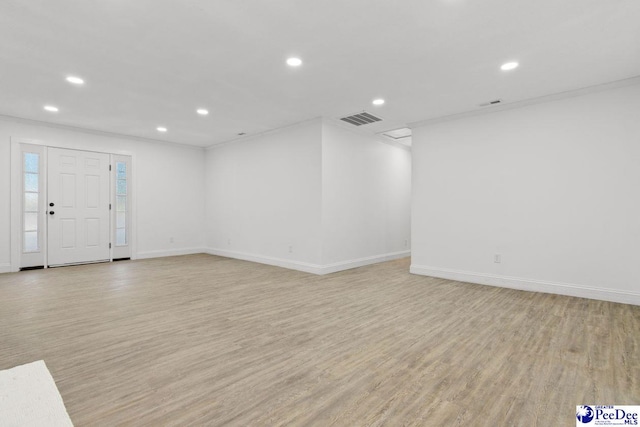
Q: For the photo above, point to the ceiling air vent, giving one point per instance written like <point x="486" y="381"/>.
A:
<point x="494" y="102"/>
<point x="398" y="133"/>
<point x="360" y="119"/>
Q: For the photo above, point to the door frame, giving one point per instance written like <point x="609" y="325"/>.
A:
<point x="16" y="196"/>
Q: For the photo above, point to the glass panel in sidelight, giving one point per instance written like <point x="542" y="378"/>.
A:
<point x="30" y="241"/>
<point x="31" y="162"/>
<point x="30" y="221"/>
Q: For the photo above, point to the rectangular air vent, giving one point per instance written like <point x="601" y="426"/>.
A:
<point x="360" y="119"/>
<point x="494" y="102"/>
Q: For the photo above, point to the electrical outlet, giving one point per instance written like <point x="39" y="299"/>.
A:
<point x="497" y="258"/>
<point x="290" y="249"/>
<point x="170" y="239"/>
<point x="406" y="243"/>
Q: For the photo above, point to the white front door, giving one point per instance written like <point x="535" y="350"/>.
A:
<point x="77" y="207"/>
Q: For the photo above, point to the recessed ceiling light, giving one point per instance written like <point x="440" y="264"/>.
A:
<point x="294" y="62"/>
<point x="202" y="111"/>
<point x="509" y="66"/>
<point x="75" y="80"/>
<point x="378" y="101"/>
<point x="51" y="108"/>
<point x="161" y="129"/>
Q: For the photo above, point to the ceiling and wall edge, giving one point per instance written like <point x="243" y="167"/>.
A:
<point x="247" y="138"/>
<point x="531" y="101"/>
<point x="359" y="130"/>
<point x="323" y="120"/>
<point x="333" y="121"/>
<point x="94" y="132"/>
<point x="240" y="139"/>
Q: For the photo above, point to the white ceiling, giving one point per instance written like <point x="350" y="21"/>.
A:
<point x="153" y="62"/>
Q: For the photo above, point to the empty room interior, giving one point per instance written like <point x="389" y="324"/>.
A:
<point x="295" y="213"/>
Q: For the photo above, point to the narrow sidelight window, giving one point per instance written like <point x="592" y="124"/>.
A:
<point x="121" y="204"/>
<point x="31" y="194"/>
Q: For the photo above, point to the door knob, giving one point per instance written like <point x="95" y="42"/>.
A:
<point x="51" y="212"/>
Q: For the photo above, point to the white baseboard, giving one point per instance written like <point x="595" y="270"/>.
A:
<point x="170" y="252"/>
<point x="307" y="267"/>
<point x="261" y="259"/>
<point x="346" y="265"/>
<point x="621" y="296"/>
<point x="5" y="268"/>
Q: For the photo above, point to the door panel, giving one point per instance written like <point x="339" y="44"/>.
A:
<point x="67" y="197"/>
<point x="93" y="232"/>
<point x="79" y="190"/>
<point x="68" y="233"/>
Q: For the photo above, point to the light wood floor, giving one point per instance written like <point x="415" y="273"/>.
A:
<point x="204" y="340"/>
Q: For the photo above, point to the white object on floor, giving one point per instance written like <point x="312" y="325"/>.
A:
<point x="29" y="397"/>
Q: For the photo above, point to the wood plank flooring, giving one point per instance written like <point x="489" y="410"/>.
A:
<point x="205" y="340"/>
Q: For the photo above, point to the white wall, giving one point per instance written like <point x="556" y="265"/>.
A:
<point x="339" y="199"/>
<point x="168" y="184"/>
<point x="366" y="188"/>
<point x="552" y="187"/>
<point x="285" y="198"/>
<point x="264" y="196"/>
